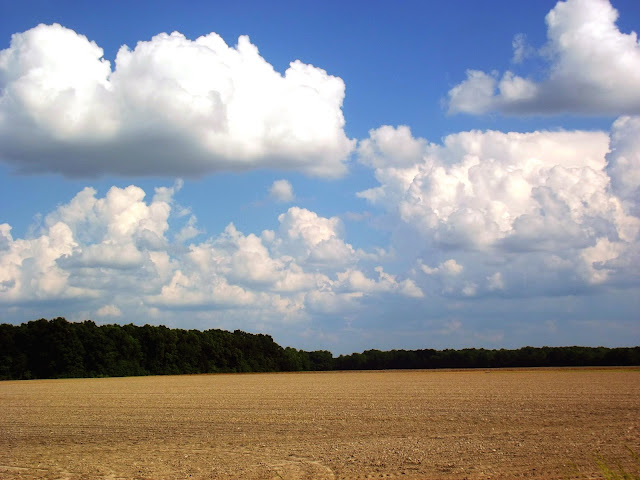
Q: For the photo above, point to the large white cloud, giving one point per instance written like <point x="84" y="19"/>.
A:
<point x="593" y="68"/>
<point x="171" y="106"/>
<point x="508" y="203"/>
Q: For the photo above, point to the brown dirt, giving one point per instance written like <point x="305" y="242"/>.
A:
<point x="345" y="425"/>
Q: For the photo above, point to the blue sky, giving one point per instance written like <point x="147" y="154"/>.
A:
<point x="341" y="176"/>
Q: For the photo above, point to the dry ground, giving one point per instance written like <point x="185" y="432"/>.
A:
<point x="345" y="425"/>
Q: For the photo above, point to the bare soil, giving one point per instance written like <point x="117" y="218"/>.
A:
<point x="473" y="424"/>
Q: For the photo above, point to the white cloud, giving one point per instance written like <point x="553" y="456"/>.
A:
<point x="518" y="201"/>
<point x="166" y="194"/>
<point x="623" y="165"/>
<point x="189" y="230"/>
<point x="448" y="267"/>
<point x="356" y="281"/>
<point x="109" y="311"/>
<point x="593" y="69"/>
<point x="449" y="278"/>
<point x="28" y="268"/>
<point x="481" y="188"/>
<point x="170" y="106"/>
<point x="282" y="191"/>
<point x="196" y="291"/>
<point x="476" y="95"/>
<point x="307" y="237"/>
<point x="89" y="247"/>
<point x="391" y="146"/>
<point x="118" y="247"/>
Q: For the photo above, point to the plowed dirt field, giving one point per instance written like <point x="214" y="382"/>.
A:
<point x="534" y="423"/>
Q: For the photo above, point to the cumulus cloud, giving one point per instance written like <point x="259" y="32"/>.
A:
<point x="357" y="281"/>
<point x="189" y="230"/>
<point x="623" y="162"/>
<point x="109" y="311"/>
<point x="114" y="256"/>
<point x="307" y="237"/>
<point x="282" y="191"/>
<point x="170" y="106"/>
<point x="449" y="279"/>
<point x="28" y="268"/>
<point x="593" y="69"/>
<point x="448" y="267"/>
<point x="560" y="200"/>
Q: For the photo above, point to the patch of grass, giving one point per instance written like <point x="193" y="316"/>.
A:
<point x="616" y="471"/>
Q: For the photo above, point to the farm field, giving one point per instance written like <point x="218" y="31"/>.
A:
<point x="473" y="424"/>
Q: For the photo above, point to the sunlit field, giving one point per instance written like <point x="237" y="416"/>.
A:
<point x="536" y="423"/>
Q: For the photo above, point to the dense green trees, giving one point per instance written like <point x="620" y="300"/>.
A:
<point x="58" y="348"/>
<point x="481" y="358"/>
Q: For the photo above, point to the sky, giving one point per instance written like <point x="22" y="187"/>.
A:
<point x="339" y="175"/>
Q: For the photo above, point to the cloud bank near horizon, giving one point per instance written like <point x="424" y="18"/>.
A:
<point x="171" y="106"/>
<point x="114" y="256"/>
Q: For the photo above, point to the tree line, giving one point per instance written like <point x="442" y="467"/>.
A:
<point x="60" y="349"/>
